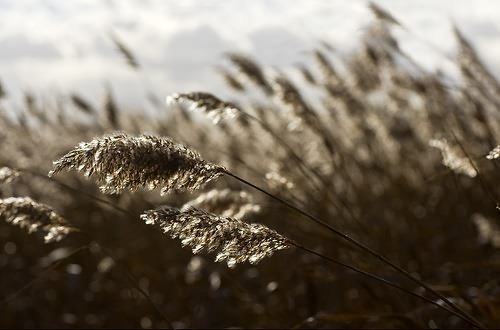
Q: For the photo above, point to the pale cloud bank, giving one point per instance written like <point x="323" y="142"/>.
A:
<point x="64" y="45"/>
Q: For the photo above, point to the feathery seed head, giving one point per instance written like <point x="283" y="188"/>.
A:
<point x="126" y="52"/>
<point x="452" y="159"/>
<point x="123" y="162"/>
<point x="234" y="240"/>
<point x="289" y="95"/>
<point x="33" y="216"/>
<point x="382" y="14"/>
<point x="488" y="231"/>
<point x="226" y="202"/>
<point x="307" y="74"/>
<point x="8" y="175"/>
<point x="251" y="70"/>
<point x="325" y="65"/>
<point x="231" y="80"/>
<point x="82" y="104"/>
<point x="215" y="108"/>
<point x="493" y="154"/>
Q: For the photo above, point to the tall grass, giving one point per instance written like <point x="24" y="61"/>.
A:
<point x="377" y="178"/>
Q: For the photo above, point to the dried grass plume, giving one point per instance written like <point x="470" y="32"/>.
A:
<point x="234" y="240"/>
<point x="488" y="231"/>
<point x="124" y="162"/>
<point x="8" y="175"/>
<point x="226" y="202"/>
<point x="452" y="159"/>
<point x="215" y="108"/>
<point x="34" y="217"/>
<point x="494" y="154"/>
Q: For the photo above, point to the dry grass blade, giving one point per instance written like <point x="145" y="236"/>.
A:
<point x="226" y="202"/>
<point x="123" y="162"/>
<point x="32" y="216"/>
<point x="234" y="240"/>
<point x="215" y="108"/>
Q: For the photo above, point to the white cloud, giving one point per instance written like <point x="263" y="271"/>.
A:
<point x="66" y="43"/>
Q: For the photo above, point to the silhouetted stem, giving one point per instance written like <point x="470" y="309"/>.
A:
<point x="360" y="245"/>
<point x="383" y="280"/>
<point x="304" y="168"/>
<point x="69" y="188"/>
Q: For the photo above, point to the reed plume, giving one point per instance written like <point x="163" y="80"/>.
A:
<point x="126" y="52"/>
<point x="474" y="71"/>
<point x="82" y="104"/>
<point x="124" y="162"/>
<point x="488" y="231"/>
<point x="326" y="67"/>
<point x="3" y="93"/>
<point x="111" y="109"/>
<point x="231" y="80"/>
<point x="452" y="159"/>
<point x="307" y="74"/>
<point x="252" y="71"/>
<point x="289" y="95"/>
<point x="234" y="240"/>
<point x="494" y="154"/>
<point x="382" y="14"/>
<point x="8" y="175"/>
<point x="226" y="202"/>
<point x="34" y="217"/>
<point x="215" y="108"/>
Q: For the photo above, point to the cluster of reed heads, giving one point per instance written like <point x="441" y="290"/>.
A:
<point x="355" y="190"/>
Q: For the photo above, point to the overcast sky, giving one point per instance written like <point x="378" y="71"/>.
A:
<point x="60" y="46"/>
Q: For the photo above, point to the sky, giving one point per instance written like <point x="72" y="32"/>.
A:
<point x="54" y="46"/>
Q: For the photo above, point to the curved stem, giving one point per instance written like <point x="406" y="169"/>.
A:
<point x="304" y="168"/>
<point x="360" y="245"/>
<point x="69" y="188"/>
<point x="128" y="275"/>
<point x="383" y="280"/>
<point x="45" y="271"/>
<point x="134" y="282"/>
<point x="484" y="184"/>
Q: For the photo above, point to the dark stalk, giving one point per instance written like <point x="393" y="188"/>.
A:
<point x="134" y="282"/>
<point x="55" y="265"/>
<point x="303" y="167"/>
<point x="383" y="280"/>
<point x="360" y="245"/>
<point x="486" y="187"/>
<point x="69" y="188"/>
